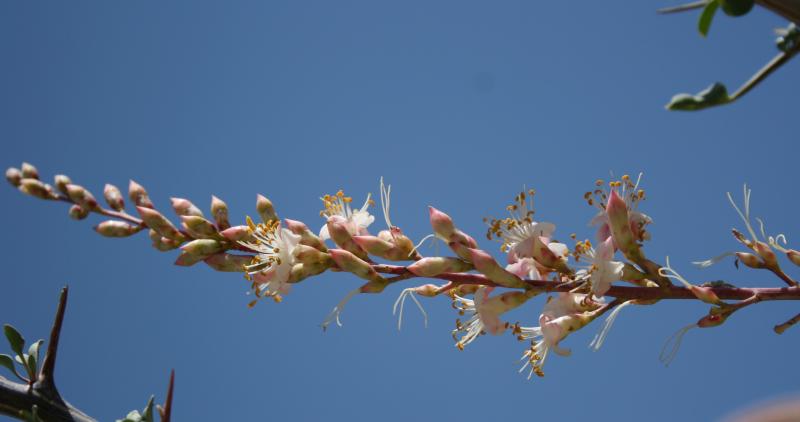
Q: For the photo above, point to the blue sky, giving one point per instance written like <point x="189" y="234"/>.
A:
<point x="458" y="104"/>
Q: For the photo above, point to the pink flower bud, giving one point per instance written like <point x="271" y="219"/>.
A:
<point x="346" y="261"/>
<point x="162" y="243"/>
<point x="375" y="246"/>
<point x="306" y="236"/>
<point x="199" y="227"/>
<point x="749" y="260"/>
<point x="219" y="210"/>
<point x="442" y="224"/>
<point x="705" y="294"/>
<point x="186" y="259"/>
<point x="309" y="255"/>
<point x="138" y="195"/>
<point x="341" y="236"/>
<point x="544" y="253"/>
<point x="427" y="290"/>
<point x="14" y="176"/>
<point x="202" y="247"/>
<point x="766" y="253"/>
<point x="793" y="256"/>
<point x="76" y="212"/>
<point x="29" y="171"/>
<point x="81" y="196"/>
<point x="487" y="266"/>
<point x="713" y="320"/>
<point x="185" y="207"/>
<point x="113" y="197"/>
<point x="113" y="228"/>
<point x="227" y="262"/>
<point x="265" y="209"/>
<point x="617" y="211"/>
<point x="36" y="188"/>
<point x="433" y="266"/>
<point x="61" y="181"/>
<point x="159" y="223"/>
<point x="236" y="233"/>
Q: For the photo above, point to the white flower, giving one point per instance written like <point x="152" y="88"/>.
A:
<point x="484" y="316"/>
<point x="339" y="206"/>
<point x="272" y="265"/>
<point x="602" y="269"/>
<point x="632" y="195"/>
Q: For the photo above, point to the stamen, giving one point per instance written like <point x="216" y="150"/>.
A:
<point x="598" y="340"/>
<point x="401" y="300"/>
<point x="337" y="310"/>
<point x="673" y="275"/>
<point x="668" y="353"/>
<point x="709" y="262"/>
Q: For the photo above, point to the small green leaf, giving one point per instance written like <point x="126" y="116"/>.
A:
<point x="714" y="95"/>
<point x="34" y="349"/>
<point x="133" y="416"/>
<point x="31" y="366"/>
<point x="8" y="362"/>
<point x="15" y="339"/>
<point x="148" y="410"/>
<point x="704" y="24"/>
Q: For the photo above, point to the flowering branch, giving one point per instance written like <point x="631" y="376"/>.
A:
<point x="281" y="253"/>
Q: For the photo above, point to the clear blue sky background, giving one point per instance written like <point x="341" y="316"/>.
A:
<point x="458" y="104"/>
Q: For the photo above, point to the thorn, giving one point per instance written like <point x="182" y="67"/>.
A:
<point x="46" y="383"/>
<point x="166" y="411"/>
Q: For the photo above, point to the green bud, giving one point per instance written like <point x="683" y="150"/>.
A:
<point x="228" y="262"/>
<point x="113" y="228"/>
<point x="265" y="209"/>
<point x="199" y="227"/>
<point x="61" y="182"/>
<point x="29" y="171"/>
<point x="156" y="221"/>
<point x="34" y="187"/>
<point x="14" y="176"/>
<point x="76" y="212"/>
<point x="219" y="210"/>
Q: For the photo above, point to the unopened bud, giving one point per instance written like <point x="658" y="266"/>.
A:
<point x="76" y="212"/>
<point x="346" y="261"/>
<point x="199" y="227"/>
<point x="219" y="210"/>
<point x="14" y="176"/>
<point x="375" y="246"/>
<point x="202" y="247"/>
<point x="34" y="187"/>
<point x="442" y="224"/>
<point x="138" y="195"/>
<point x="159" y="223"/>
<point x="61" y="181"/>
<point x="29" y="171"/>
<point x="81" y="196"/>
<point x="113" y="228"/>
<point x="766" y="253"/>
<point x="741" y="238"/>
<point x="487" y="266"/>
<point x="713" y="319"/>
<point x="749" y="260"/>
<point x="185" y="207"/>
<point x="705" y="294"/>
<point x="228" y="262"/>
<point x="793" y="256"/>
<point x="161" y="243"/>
<point x="433" y="266"/>
<point x="306" y="236"/>
<point x="341" y="236"/>
<point x="427" y="290"/>
<point x="543" y="254"/>
<point x="113" y="197"/>
<point x="308" y="255"/>
<point x="236" y="233"/>
<point x="265" y="209"/>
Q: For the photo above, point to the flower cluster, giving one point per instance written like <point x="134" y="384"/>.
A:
<point x="581" y="283"/>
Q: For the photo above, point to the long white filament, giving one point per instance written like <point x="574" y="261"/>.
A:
<point x="400" y="302"/>
<point x="598" y="340"/>
<point x="337" y="310"/>
<point x="668" y="352"/>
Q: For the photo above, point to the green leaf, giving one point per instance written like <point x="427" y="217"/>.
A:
<point x="34" y="349"/>
<point x="30" y="361"/>
<point x="714" y="95"/>
<point x="8" y="362"/>
<point x="15" y="339"/>
<point x="704" y="24"/>
<point x="148" y="410"/>
<point x="133" y="416"/>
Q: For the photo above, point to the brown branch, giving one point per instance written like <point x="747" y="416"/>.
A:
<point x="780" y="328"/>
<point x="789" y="9"/>
<point x="622" y="292"/>
<point x="166" y="412"/>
